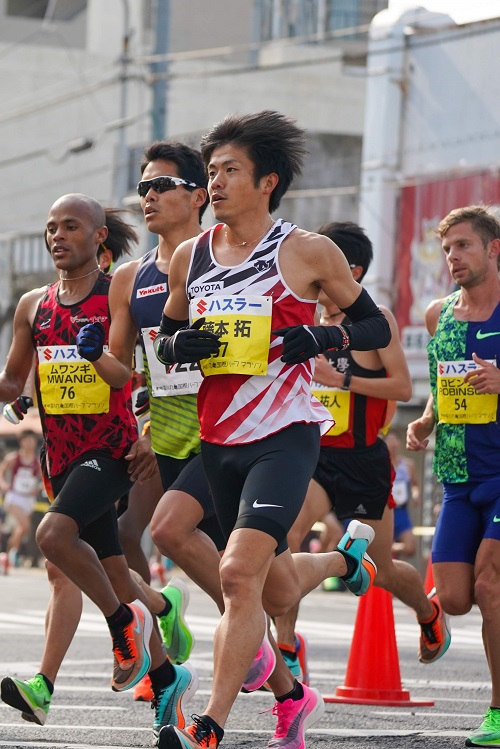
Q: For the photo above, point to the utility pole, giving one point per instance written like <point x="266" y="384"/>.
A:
<point x="159" y="70"/>
<point x="120" y="185"/>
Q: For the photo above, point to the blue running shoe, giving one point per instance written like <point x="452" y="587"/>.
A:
<point x="353" y="544"/>
<point x="293" y="664"/>
<point x="169" y="705"/>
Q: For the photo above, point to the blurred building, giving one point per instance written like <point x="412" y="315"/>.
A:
<point x="86" y="84"/>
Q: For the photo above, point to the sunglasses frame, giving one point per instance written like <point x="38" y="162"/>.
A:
<point x="174" y="183"/>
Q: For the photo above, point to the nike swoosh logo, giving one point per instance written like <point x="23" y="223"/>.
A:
<point x="480" y="335"/>
<point x="496" y="520"/>
<point x="258" y="504"/>
<point x="138" y="627"/>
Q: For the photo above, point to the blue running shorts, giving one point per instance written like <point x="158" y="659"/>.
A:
<point x="470" y="511"/>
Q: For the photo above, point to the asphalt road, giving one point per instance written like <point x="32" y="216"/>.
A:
<point x="86" y="713"/>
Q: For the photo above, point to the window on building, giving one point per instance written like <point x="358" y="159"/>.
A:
<point x="288" y="18"/>
<point x="62" y="10"/>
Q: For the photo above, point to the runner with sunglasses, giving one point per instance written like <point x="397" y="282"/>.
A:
<point x="250" y="286"/>
<point x="185" y="527"/>
<point x="92" y="456"/>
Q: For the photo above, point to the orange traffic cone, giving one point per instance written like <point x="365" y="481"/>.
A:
<point x="373" y="676"/>
<point x="429" y="577"/>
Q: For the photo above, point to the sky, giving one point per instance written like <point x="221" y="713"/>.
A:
<point x="462" y="11"/>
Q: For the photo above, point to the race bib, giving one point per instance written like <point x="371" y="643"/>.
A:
<point x="24" y="481"/>
<point x="70" y="384"/>
<point x="457" y="401"/>
<point x="400" y="492"/>
<point x="338" y="403"/>
<point x="243" y="324"/>
<point x="181" y="379"/>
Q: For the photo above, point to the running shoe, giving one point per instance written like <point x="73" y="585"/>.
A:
<point x="262" y="666"/>
<point x="143" y="691"/>
<point x="353" y="544"/>
<point x="334" y="584"/>
<point x="294" y="718"/>
<point x="131" y="649"/>
<point x="435" y="636"/>
<point x="199" y="735"/>
<point x="301" y="650"/>
<point x="170" y="703"/>
<point x="292" y="662"/>
<point x="488" y="733"/>
<point x="175" y="633"/>
<point x="32" y="697"/>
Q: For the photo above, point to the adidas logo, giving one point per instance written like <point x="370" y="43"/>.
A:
<point x="92" y="464"/>
<point x="360" y="510"/>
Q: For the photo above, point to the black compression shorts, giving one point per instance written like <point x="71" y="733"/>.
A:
<point x="193" y="481"/>
<point x="187" y="475"/>
<point x="87" y="492"/>
<point x="358" y="481"/>
<point x="262" y="485"/>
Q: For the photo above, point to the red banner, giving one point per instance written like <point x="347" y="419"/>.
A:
<point x="421" y="273"/>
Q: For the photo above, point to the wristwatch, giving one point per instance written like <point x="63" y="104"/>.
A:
<point x="347" y="380"/>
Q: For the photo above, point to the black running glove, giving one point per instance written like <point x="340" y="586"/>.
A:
<point x="90" y="341"/>
<point x="186" y="345"/>
<point x="303" y="342"/>
<point x="16" y="411"/>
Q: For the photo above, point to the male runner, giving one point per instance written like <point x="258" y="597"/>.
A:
<point x="354" y="474"/>
<point x="91" y="457"/>
<point x="465" y="383"/>
<point x="253" y="285"/>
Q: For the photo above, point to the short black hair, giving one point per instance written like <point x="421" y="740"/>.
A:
<point x="187" y="160"/>
<point x="272" y="141"/>
<point x="353" y="242"/>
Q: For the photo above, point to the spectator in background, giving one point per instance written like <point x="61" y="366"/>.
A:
<point x="20" y="482"/>
<point x="405" y="489"/>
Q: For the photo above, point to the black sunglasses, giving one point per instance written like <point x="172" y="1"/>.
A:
<point x="161" y="184"/>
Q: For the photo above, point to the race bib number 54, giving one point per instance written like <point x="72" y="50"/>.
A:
<point x="70" y="384"/>
<point x="457" y="401"/>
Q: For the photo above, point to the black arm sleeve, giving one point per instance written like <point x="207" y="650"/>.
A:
<point x="369" y="329"/>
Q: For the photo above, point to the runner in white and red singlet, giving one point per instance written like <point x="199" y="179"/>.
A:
<point x="250" y="285"/>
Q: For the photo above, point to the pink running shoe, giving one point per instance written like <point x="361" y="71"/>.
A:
<point x="294" y="718"/>
<point x="262" y="666"/>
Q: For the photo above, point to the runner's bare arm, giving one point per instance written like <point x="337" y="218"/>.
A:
<point x="20" y="357"/>
<point x="177" y="305"/>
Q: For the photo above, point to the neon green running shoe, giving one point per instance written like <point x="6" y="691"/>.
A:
<point x="177" y="638"/>
<point x="488" y="733"/>
<point x="32" y="697"/>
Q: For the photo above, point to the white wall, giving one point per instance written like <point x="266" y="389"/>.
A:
<point x="55" y="94"/>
